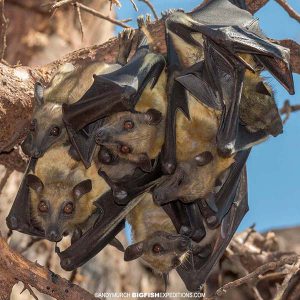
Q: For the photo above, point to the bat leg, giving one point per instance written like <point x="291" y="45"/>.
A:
<point x="125" y="45"/>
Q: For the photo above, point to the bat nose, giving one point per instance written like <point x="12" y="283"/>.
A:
<point x="101" y="136"/>
<point x="54" y="236"/>
<point x="184" y="244"/>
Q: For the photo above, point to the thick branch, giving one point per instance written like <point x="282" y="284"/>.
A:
<point x="14" y="268"/>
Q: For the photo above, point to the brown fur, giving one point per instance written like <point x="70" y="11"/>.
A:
<point x="59" y="180"/>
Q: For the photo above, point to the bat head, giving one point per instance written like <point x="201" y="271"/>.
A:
<point x="46" y="128"/>
<point x="133" y="136"/>
<point x="115" y="167"/>
<point x="59" y="207"/>
<point x="162" y="251"/>
<point x="192" y="179"/>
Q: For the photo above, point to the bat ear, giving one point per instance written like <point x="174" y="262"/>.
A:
<point x="82" y="188"/>
<point x="153" y="116"/>
<point x="35" y="183"/>
<point x="39" y="94"/>
<point x="145" y="163"/>
<point x="133" y="251"/>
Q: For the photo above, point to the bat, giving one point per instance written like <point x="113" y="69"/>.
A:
<point x="206" y="253"/>
<point x="114" y="206"/>
<point x="229" y="46"/>
<point x="112" y="92"/>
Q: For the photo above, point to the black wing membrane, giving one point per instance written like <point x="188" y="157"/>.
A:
<point x="114" y="206"/>
<point x="223" y="31"/>
<point x="19" y="217"/>
<point x="195" y="271"/>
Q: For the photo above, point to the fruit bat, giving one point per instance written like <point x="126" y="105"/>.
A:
<point x="209" y="250"/>
<point x="114" y="206"/>
<point x="223" y="35"/>
<point x="113" y="92"/>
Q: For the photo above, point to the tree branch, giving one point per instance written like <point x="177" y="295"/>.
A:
<point x="292" y="13"/>
<point x="14" y="268"/>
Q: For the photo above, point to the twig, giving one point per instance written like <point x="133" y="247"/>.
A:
<point x="79" y="18"/>
<point x="134" y="5"/>
<point x="286" y="281"/>
<point x="271" y="266"/>
<point x="292" y="13"/>
<point x="14" y="268"/>
<point x="29" y="289"/>
<point x="61" y="3"/>
<point x="3" y="30"/>
<point x="151" y="6"/>
<point x="115" y="2"/>
<point x="99" y="15"/>
<point x="5" y="178"/>
<point x="287" y="109"/>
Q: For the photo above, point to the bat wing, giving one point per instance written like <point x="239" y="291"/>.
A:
<point x="84" y="141"/>
<point x="195" y="271"/>
<point x="111" y="220"/>
<point x="224" y="31"/>
<point x="19" y="217"/>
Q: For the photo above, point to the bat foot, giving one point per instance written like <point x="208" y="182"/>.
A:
<point x="168" y="168"/>
<point x="12" y="223"/>
<point x="226" y="150"/>
<point x="125" y="45"/>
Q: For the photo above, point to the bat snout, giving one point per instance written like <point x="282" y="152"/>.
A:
<point x="53" y="235"/>
<point x="102" y="136"/>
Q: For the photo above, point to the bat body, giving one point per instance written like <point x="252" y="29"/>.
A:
<point x="199" y="163"/>
<point x="228" y="42"/>
<point x="156" y="241"/>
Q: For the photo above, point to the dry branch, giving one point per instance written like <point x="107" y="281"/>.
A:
<point x="292" y="13"/>
<point x="15" y="268"/>
<point x="151" y="6"/>
<point x="271" y="266"/>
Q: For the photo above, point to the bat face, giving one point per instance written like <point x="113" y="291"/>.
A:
<point x="58" y="208"/>
<point x="46" y="130"/>
<point x="132" y="136"/>
<point x="258" y="109"/>
<point x="162" y="251"/>
<point x="192" y="179"/>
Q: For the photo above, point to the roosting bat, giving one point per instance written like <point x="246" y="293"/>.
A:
<point x="229" y="45"/>
<point x="110" y="93"/>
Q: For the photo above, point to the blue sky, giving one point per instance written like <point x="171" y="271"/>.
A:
<point x="273" y="167"/>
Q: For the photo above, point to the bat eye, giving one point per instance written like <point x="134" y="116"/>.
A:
<point x="125" y="149"/>
<point x="69" y="208"/>
<point x="32" y="125"/>
<point x="55" y="131"/>
<point x="157" y="248"/>
<point x="128" y="125"/>
<point x="43" y="207"/>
